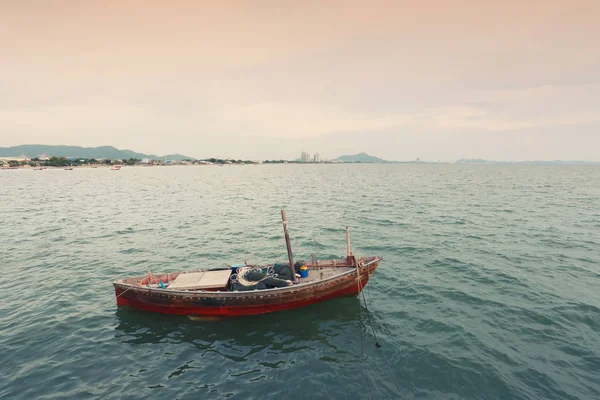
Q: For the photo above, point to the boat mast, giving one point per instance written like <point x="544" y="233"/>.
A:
<point x="289" y="246"/>
<point x="348" y="242"/>
<point x="349" y="255"/>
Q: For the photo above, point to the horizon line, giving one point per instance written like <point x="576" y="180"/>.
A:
<point x="472" y="160"/>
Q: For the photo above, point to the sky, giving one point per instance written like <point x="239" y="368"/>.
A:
<point x="433" y="79"/>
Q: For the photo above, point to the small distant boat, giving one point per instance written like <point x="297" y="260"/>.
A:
<point x="116" y="168"/>
<point x="69" y="169"/>
<point x="237" y="291"/>
<point x="38" y="168"/>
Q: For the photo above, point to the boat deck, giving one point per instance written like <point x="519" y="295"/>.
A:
<point x="219" y="279"/>
<point x="320" y="273"/>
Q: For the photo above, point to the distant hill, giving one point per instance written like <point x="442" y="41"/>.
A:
<point x="34" y="150"/>
<point x="361" y="157"/>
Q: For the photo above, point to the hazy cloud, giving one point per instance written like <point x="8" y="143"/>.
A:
<point x="264" y="79"/>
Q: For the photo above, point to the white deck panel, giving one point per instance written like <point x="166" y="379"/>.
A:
<point x="214" y="279"/>
<point x="186" y="281"/>
<point x="201" y="280"/>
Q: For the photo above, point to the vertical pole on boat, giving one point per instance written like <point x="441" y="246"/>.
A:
<point x="289" y="246"/>
<point x="348" y="241"/>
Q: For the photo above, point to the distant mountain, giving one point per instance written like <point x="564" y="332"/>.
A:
<point x="34" y="150"/>
<point x="360" y="157"/>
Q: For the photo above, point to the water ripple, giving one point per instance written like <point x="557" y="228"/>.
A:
<point x="488" y="289"/>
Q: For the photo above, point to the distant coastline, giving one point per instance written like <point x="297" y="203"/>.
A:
<point x="535" y="162"/>
<point x="76" y="156"/>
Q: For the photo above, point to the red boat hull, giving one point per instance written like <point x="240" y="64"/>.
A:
<point x="243" y="303"/>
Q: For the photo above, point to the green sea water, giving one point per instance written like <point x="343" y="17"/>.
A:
<point x="489" y="287"/>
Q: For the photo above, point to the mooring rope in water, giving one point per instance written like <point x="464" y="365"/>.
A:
<point x="111" y="300"/>
<point x="378" y="345"/>
<point x="360" y="264"/>
<point x="362" y="337"/>
<point x="103" y="304"/>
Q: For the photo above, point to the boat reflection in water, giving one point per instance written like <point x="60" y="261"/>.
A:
<point x="246" y="356"/>
<point x="317" y="322"/>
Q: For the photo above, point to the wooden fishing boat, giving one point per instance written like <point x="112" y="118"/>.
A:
<point x="116" y="168"/>
<point x="212" y="292"/>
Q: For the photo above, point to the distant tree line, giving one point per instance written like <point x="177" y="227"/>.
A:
<point x="282" y="162"/>
<point x="56" y="161"/>
<point x="223" y="161"/>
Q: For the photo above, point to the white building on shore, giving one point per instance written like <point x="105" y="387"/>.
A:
<point x="305" y="157"/>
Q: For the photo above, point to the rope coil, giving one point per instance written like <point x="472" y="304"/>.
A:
<point x="240" y="277"/>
